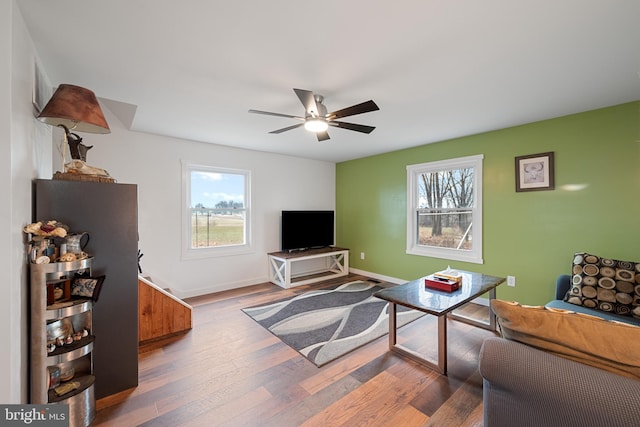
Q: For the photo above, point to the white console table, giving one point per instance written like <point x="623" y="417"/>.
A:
<point x="336" y="264"/>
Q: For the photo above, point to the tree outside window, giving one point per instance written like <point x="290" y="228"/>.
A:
<point x="445" y="209"/>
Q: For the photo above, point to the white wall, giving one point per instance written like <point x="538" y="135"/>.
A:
<point x="25" y="154"/>
<point x="154" y="163"/>
<point x="9" y="360"/>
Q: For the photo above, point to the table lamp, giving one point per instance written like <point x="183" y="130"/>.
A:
<point x="74" y="108"/>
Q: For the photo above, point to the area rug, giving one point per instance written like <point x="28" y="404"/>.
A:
<point x="325" y="324"/>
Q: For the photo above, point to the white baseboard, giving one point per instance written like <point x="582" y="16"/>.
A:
<point x="182" y="294"/>
<point x="377" y="276"/>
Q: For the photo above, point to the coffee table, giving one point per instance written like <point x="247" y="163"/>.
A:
<point x="438" y="303"/>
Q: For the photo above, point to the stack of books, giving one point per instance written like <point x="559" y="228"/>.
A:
<point x="447" y="280"/>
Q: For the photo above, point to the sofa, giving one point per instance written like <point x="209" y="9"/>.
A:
<point x="563" y="285"/>
<point x="556" y="366"/>
<point x="525" y="386"/>
<point x="574" y="361"/>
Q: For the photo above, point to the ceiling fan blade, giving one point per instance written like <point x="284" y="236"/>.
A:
<point x="353" y="126"/>
<point x="268" y="113"/>
<point x="308" y="101"/>
<point x="287" y="128"/>
<point x="363" y="107"/>
<point x="322" y="136"/>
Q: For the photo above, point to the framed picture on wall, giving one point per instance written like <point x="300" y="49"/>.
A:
<point x="534" y="172"/>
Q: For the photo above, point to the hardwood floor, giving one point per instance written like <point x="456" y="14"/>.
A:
<point x="229" y="371"/>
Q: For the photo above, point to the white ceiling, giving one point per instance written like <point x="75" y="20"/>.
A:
<point x="438" y="69"/>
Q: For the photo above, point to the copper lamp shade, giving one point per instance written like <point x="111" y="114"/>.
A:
<point x="74" y="108"/>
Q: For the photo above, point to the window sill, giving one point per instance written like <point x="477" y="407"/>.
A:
<point x="223" y="251"/>
<point x="452" y="255"/>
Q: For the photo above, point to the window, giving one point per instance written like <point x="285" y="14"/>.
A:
<point x="444" y="209"/>
<point x="217" y="214"/>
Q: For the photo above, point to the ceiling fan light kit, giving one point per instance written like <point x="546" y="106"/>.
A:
<point x="316" y="119"/>
<point x="316" y="125"/>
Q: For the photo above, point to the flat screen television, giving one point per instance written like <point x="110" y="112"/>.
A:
<point x="306" y="229"/>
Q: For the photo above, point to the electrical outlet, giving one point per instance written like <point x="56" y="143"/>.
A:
<point x="361" y="255"/>
<point x="511" y="281"/>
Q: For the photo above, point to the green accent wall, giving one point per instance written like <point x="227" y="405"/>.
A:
<point x="595" y="206"/>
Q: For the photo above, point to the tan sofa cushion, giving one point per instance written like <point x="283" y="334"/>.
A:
<point x="608" y="345"/>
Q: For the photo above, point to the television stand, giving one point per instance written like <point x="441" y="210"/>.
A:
<point x="336" y="264"/>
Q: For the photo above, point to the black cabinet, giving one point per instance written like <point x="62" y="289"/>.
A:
<point x="109" y="213"/>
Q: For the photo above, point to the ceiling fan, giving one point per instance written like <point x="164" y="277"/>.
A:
<point x="316" y="119"/>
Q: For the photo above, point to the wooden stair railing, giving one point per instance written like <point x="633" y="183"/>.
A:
<point x="160" y="314"/>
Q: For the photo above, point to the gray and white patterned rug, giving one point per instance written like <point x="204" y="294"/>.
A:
<point x="325" y="324"/>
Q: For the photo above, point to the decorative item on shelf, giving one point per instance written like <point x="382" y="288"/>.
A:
<point x="76" y="242"/>
<point x="42" y="250"/>
<point x="67" y="373"/>
<point x="51" y="228"/>
<point x="42" y="247"/>
<point x="76" y="108"/>
<point x="78" y="168"/>
<point x="58" y="292"/>
<point x="51" y="296"/>
<point x="54" y="376"/>
<point x="59" y="329"/>
<point x="65" y="388"/>
<point x="86" y="286"/>
<point x="42" y="260"/>
<point x="70" y="256"/>
<point x="67" y="257"/>
<point x="67" y="339"/>
<point x="75" y="176"/>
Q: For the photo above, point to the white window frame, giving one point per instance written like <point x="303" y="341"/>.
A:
<point x="413" y="172"/>
<point x="194" y="253"/>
